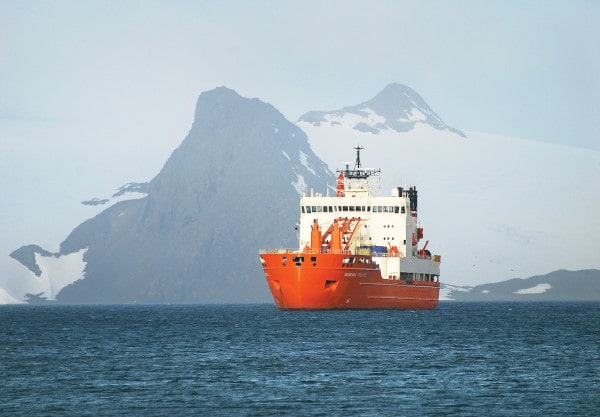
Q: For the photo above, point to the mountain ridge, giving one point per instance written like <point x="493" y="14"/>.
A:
<point x="242" y="150"/>
<point x="397" y="107"/>
<point x="228" y="190"/>
<point x="559" y="285"/>
<point x="493" y="206"/>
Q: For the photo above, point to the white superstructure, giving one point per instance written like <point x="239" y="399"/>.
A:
<point x="384" y="226"/>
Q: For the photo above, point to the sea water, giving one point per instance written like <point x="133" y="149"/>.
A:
<point x="493" y="359"/>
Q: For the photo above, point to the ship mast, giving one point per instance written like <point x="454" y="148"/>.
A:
<point x="357" y="163"/>
<point x="358" y="173"/>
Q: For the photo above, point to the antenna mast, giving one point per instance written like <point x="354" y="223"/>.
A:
<point x="357" y="163"/>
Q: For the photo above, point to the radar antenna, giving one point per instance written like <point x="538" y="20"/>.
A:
<point x="357" y="163"/>
<point x="358" y="172"/>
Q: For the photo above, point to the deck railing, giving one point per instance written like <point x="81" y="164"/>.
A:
<point x="360" y="251"/>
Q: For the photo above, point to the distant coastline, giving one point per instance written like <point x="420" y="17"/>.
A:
<point x="561" y="285"/>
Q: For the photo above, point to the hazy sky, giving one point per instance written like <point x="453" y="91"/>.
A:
<point x="94" y="94"/>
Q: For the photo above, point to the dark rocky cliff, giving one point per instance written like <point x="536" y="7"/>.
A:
<point x="230" y="189"/>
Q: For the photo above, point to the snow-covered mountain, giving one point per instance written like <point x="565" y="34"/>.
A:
<point x="556" y="286"/>
<point x="228" y="190"/>
<point x="397" y="107"/>
<point x="494" y="207"/>
<point x="47" y="273"/>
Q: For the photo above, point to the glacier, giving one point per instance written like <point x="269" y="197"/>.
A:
<point x="494" y="206"/>
<point x="57" y="272"/>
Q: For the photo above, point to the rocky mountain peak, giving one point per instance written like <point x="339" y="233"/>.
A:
<point x="230" y="189"/>
<point x="395" y="100"/>
<point x="397" y="107"/>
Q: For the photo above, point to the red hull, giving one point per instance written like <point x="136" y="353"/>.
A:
<point x="329" y="281"/>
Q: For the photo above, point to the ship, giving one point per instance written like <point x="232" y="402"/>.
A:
<point x="356" y="250"/>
